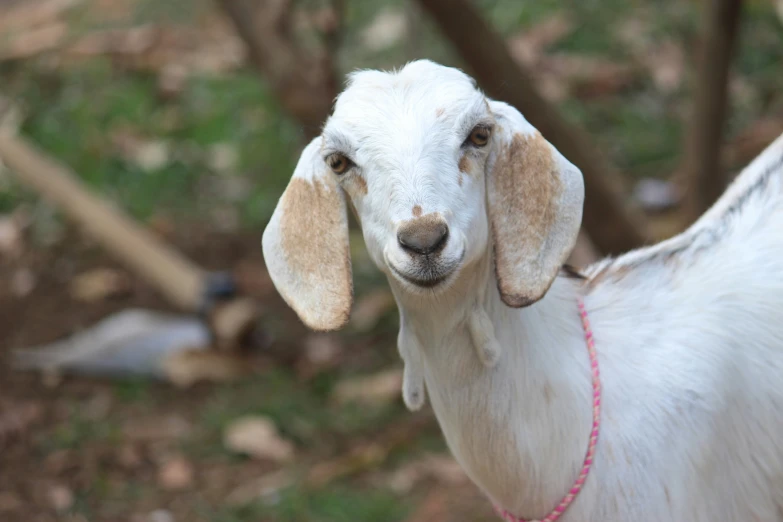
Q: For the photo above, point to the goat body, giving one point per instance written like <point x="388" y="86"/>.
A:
<point x="688" y="334"/>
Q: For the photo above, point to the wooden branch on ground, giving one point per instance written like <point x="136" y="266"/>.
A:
<point x="613" y="224"/>
<point x="704" y="180"/>
<point x="181" y="282"/>
<point x="303" y="81"/>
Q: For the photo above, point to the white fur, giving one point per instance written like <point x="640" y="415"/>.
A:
<point x="689" y="333"/>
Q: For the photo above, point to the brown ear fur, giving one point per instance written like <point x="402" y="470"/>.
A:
<point x="306" y="246"/>
<point x="535" y="206"/>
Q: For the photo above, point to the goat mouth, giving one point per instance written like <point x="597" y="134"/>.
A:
<point x="429" y="277"/>
<point x="425" y="282"/>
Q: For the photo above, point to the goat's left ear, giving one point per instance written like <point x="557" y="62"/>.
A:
<point x="306" y="245"/>
<point x="535" y="205"/>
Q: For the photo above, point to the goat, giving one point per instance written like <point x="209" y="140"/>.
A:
<point x="471" y="213"/>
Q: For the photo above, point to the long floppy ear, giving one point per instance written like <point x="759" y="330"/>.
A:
<point x="306" y="245"/>
<point x="535" y="206"/>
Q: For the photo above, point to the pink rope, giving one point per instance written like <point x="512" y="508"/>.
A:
<point x="580" y="480"/>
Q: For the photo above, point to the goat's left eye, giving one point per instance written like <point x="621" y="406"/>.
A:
<point x="479" y="136"/>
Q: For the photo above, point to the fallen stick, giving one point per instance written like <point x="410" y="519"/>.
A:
<point x="182" y="282"/>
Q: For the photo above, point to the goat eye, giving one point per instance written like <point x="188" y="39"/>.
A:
<point x="479" y="136"/>
<point x="338" y="163"/>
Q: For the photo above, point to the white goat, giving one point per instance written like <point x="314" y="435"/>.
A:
<point x="470" y="213"/>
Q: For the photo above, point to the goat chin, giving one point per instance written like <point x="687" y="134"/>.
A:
<point x="690" y="346"/>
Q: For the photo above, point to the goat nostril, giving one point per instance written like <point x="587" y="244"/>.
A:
<point x="423" y="238"/>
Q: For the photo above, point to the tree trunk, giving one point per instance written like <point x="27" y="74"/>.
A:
<point x="704" y="180"/>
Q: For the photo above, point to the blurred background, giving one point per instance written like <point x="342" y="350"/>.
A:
<point x="149" y="372"/>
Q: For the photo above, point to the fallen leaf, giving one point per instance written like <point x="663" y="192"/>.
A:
<point x="779" y="10"/>
<point x="146" y="153"/>
<point x="129" y="456"/>
<point x="16" y="417"/>
<point x="223" y="157"/>
<point x="176" y="474"/>
<point x="100" y="284"/>
<point x="22" y="282"/>
<point x="60" y="497"/>
<point x="373" y="389"/>
<point x="257" y="437"/>
<point x="370" y="307"/>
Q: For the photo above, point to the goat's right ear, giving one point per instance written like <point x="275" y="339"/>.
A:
<point x="306" y="245"/>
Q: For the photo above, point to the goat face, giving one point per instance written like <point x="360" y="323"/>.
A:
<point x="436" y="173"/>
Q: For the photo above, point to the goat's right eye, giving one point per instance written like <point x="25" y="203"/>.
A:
<point x="338" y="163"/>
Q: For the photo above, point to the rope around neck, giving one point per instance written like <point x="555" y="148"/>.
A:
<point x="574" y="491"/>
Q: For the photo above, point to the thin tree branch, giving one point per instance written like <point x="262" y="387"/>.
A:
<point x="704" y="180"/>
<point x="612" y="223"/>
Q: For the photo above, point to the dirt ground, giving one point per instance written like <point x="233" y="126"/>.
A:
<point x="93" y="449"/>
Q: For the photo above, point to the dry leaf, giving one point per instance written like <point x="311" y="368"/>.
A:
<point x="17" y="417"/>
<point x="379" y="388"/>
<point x="60" y="497"/>
<point x="99" y="284"/>
<point x="130" y="457"/>
<point x="147" y="154"/>
<point x="22" y="282"/>
<point x="223" y="157"/>
<point x="257" y="437"/>
<point x="176" y="474"/>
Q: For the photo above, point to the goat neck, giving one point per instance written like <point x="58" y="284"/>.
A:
<point x="524" y="421"/>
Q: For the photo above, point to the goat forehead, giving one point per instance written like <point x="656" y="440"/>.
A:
<point x="419" y="95"/>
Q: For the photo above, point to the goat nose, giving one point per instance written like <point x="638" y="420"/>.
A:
<point x="424" y="235"/>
